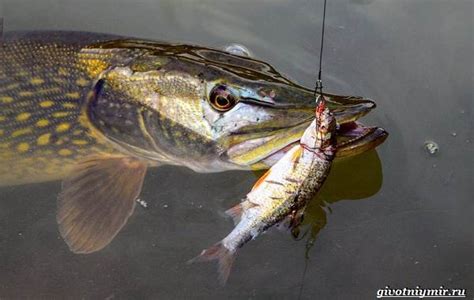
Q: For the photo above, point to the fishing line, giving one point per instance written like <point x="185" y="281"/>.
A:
<point x="303" y="277"/>
<point x="1" y="30"/>
<point x="319" y="82"/>
<point x="306" y="263"/>
<point x="318" y="87"/>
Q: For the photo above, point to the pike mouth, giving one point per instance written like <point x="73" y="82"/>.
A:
<point x="352" y="138"/>
<point x="260" y="148"/>
<point x="247" y="152"/>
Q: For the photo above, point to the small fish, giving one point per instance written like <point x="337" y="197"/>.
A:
<point x="282" y="193"/>
<point x="97" y="110"/>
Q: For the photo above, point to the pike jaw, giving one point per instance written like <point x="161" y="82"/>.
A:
<point x="205" y="109"/>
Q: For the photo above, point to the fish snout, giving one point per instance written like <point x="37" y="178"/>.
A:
<point x="303" y="101"/>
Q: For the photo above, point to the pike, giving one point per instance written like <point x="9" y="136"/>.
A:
<point x="282" y="192"/>
<point x="97" y="110"/>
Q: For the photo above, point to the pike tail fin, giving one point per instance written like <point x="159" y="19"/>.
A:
<point x="224" y="256"/>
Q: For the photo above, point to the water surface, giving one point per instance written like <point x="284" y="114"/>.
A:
<point x="400" y="218"/>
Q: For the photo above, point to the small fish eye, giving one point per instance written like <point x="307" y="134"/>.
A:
<point x="221" y="98"/>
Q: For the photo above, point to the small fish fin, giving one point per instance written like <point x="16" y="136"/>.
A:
<point x="282" y="226"/>
<point x="292" y="222"/>
<point x="235" y="213"/>
<point x="96" y="201"/>
<point x="296" y="155"/>
<point x="224" y="256"/>
<point x="261" y="179"/>
<point x="296" y="219"/>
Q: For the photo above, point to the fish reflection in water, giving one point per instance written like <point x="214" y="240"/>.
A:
<point x="352" y="178"/>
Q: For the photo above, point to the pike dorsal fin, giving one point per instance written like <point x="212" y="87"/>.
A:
<point x="96" y="201"/>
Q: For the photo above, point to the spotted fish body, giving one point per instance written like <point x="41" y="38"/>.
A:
<point x="283" y="192"/>
<point x="95" y="111"/>
<point x="43" y="87"/>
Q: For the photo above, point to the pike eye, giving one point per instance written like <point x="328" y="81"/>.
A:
<point x="222" y="99"/>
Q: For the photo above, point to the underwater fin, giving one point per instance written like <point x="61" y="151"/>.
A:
<point x="224" y="256"/>
<point x="292" y="222"/>
<point x="235" y="213"/>
<point x="296" y="221"/>
<point x="96" y="201"/>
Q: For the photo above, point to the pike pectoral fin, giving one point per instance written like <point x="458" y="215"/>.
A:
<point x="96" y="201"/>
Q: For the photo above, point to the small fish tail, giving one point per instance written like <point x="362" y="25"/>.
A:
<point x="223" y="255"/>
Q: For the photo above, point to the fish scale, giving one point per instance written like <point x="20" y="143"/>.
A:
<point x="41" y="79"/>
<point x="282" y="193"/>
<point x="95" y="111"/>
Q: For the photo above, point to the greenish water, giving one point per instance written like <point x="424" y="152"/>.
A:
<point x="398" y="217"/>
